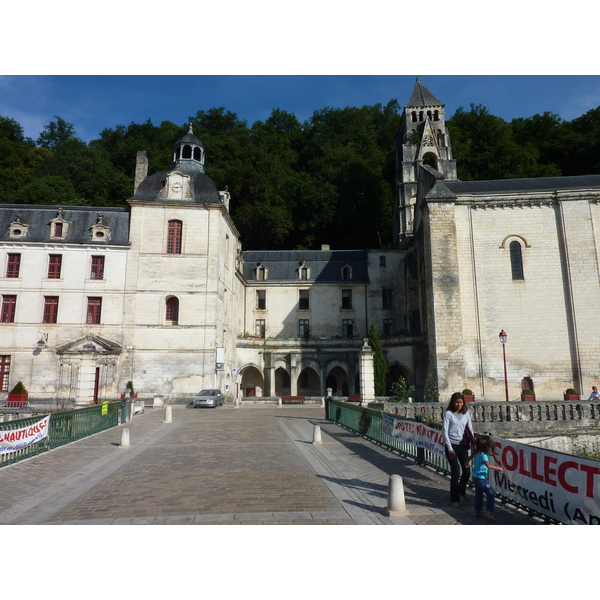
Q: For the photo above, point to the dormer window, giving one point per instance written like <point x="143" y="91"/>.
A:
<point x="303" y="272"/>
<point x="17" y="229"/>
<point x="261" y="272"/>
<point x="100" y="232"/>
<point x="59" y="226"/>
<point x="346" y="272"/>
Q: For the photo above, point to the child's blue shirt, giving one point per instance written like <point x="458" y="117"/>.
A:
<point x="480" y="470"/>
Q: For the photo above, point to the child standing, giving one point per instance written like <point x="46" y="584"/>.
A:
<point x="484" y="446"/>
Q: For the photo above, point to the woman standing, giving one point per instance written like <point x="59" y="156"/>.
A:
<point x="456" y="422"/>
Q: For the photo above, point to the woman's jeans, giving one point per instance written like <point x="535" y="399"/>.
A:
<point x="458" y="481"/>
<point x="482" y="486"/>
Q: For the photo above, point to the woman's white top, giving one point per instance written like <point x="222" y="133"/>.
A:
<point x="454" y="427"/>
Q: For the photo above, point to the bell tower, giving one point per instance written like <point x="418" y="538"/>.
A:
<point x="188" y="153"/>
<point x="423" y="139"/>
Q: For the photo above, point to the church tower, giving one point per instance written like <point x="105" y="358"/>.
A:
<point x="423" y="139"/>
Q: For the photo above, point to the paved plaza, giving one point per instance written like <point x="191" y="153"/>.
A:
<point x="252" y="465"/>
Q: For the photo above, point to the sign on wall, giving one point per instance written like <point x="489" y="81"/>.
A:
<point x="220" y="366"/>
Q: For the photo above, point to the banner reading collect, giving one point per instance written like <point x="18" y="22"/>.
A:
<point x="559" y="485"/>
<point x="414" y="433"/>
<point x="16" y="439"/>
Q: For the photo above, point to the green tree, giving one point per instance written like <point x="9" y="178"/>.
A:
<point x="380" y="366"/>
<point x="57" y="132"/>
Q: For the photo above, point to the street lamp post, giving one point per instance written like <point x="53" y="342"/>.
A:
<point x="503" y="337"/>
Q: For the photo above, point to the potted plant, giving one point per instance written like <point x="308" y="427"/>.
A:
<point x="18" y="397"/>
<point x="468" y="395"/>
<point x="129" y="389"/>
<point x="527" y="396"/>
<point x="571" y="394"/>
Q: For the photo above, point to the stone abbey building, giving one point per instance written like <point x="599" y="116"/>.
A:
<point x="162" y="294"/>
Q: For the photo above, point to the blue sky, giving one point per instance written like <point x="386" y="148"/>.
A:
<point x="95" y="102"/>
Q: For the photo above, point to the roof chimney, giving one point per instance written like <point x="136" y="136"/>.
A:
<point x="141" y="169"/>
<point x="325" y="247"/>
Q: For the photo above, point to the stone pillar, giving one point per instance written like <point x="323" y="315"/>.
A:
<point x="294" y="374"/>
<point x="367" y="374"/>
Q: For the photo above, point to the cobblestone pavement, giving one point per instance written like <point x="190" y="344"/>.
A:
<point x="253" y="465"/>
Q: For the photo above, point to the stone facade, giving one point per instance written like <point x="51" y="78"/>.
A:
<point x="161" y="293"/>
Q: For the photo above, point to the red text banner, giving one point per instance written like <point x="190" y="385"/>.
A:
<point x="17" y="439"/>
<point x="559" y="485"/>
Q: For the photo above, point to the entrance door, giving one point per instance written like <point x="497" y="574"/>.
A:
<point x="96" y="384"/>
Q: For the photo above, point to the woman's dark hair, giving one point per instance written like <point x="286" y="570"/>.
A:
<point x="455" y="397"/>
<point x="484" y="443"/>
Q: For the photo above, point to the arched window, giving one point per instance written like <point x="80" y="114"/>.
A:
<point x="516" y="260"/>
<point x="172" y="310"/>
<point x="187" y="152"/>
<point x="436" y="115"/>
<point x="261" y="272"/>
<point x="174" y="237"/>
<point x="413" y="116"/>
<point x="431" y="160"/>
<point x="197" y="154"/>
<point x="346" y="272"/>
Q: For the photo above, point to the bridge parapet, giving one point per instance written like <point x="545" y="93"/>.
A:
<point x="516" y="419"/>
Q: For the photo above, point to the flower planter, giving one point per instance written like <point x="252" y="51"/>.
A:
<point x="17" y="400"/>
<point x="527" y="397"/>
<point x="469" y="397"/>
<point x="571" y="397"/>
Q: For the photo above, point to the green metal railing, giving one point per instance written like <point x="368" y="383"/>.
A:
<point x="367" y="422"/>
<point x="65" y="427"/>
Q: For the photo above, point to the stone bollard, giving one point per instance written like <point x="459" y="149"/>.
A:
<point x="124" y="439"/>
<point x="396" y="506"/>
<point x="236" y="402"/>
<point x="317" y="435"/>
<point x="168" y="415"/>
<point x="279" y="403"/>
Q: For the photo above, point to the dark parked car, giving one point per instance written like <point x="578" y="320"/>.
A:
<point x="210" y="398"/>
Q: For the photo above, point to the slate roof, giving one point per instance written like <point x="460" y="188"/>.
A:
<point x="325" y="265"/>
<point x="421" y="96"/>
<point x="534" y="184"/>
<point x="203" y="188"/>
<point x="81" y="220"/>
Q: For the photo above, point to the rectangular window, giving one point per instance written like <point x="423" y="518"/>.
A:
<point x="346" y="299"/>
<point x="388" y="327"/>
<point x="58" y="229"/>
<point x="13" y="266"/>
<point x="382" y="261"/>
<point x="259" y="328"/>
<point x="303" y="301"/>
<point x="303" y="328"/>
<point x="387" y="298"/>
<point x="54" y="266"/>
<point x="94" y="311"/>
<point x="50" y="309"/>
<point x="9" y="305"/>
<point x="261" y="299"/>
<point x="347" y="328"/>
<point x="4" y="372"/>
<point x="97" y="271"/>
<point x="174" y="237"/>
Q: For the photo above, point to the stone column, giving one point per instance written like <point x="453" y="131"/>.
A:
<point x="367" y="374"/>
<point x="294" y="375"/>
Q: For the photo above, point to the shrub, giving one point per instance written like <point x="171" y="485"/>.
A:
<point x="467" y="392"/>
<point x="570" y="391"/>
<point x="19" y="389"/>
<point x="528" y="392"/>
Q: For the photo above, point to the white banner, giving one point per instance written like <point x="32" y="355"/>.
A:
<point x="411" y="432"/>
<point x="16" y="439"/>
<point x="559" y="485"/>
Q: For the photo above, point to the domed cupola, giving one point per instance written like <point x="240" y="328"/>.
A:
<point x="188" y="153"/>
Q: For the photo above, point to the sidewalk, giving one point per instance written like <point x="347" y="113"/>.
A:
<point x="252" y="465"/>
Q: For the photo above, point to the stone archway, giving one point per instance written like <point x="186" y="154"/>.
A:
<point x="283" y="384"/>
<point x="395" y="371"/>
<point x="252" y="383"/>
<point x="337" y="380"/>
<point x="309" y="383"/>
